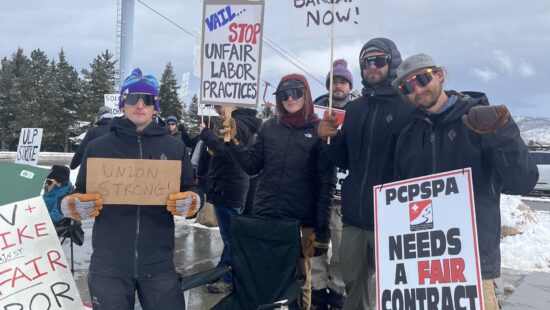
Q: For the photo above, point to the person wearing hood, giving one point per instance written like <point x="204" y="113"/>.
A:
<point x="465" y="132"/>
<point x="133" y="245"/>
<point x="226" y="183"/>
<point x="56" y="186"/>
<point x="296" y="179"/>
<point x="104" y="118"/>
<point x="365" y="146"/>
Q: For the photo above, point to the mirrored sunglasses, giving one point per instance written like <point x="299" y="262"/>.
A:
<point x="295" y="93"/>
<point x="134" y="98"/>
<point x="378" y="61"/>
<point x="422" y="79"/>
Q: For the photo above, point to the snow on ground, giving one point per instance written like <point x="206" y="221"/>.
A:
<point x="529" y="251"/>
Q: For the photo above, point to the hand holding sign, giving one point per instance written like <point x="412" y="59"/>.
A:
<point x="183" y="204"/>
<point x="82" y="206"/>
<point x="328" y="127"/>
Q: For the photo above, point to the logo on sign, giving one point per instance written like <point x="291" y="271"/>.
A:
<point x="421" y="215"/>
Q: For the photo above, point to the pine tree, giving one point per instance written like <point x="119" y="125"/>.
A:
<point x="267" y="112"/>
<point x="170" y="103"/>
<point x="98" y="81"/>
<point x="191" y="118"/>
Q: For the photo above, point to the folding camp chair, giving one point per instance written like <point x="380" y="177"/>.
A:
<point x="265" y="256"/>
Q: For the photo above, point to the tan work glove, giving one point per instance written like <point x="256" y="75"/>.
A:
<point x="317" y="244"/>
<point x="328" y="127"/>
<point x="183" y="204"/>
<point x="486" y="119"/>
<point x="229" y="131"/>
<point x="81" y="207"/>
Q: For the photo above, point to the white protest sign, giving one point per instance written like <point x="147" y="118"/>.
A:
<point x="426" y="243"/>
<point x="184" y="85"/>
<point x="29" y="146"/>
<point x="341" y="174"/>
<point x="231" y="52"/>
<point x="111" y="101"/>
<point x="313" y="18"/>
<point x="34" y="273"/>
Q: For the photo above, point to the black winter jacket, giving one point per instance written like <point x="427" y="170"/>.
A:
<point x="365" y="145"/>
<point x="227" y="183"/>
<point x="131" y="240"/>
<point x="500" y="163"/>
<point x="296" y="179"/>
<point x="101" y="128"/>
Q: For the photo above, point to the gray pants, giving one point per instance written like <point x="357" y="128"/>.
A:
<point x="358" y="266"/>
<point x="325" y="273"/>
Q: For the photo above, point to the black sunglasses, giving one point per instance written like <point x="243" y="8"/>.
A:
<point x="171" y="124"/>
<point x="295" y="93"/>
<point x="378" y="61"/>
<point x="133" y="99"/>
<point x="423" y="79"/>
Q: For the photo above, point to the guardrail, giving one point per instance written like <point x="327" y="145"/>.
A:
<point x="44" y="158"/>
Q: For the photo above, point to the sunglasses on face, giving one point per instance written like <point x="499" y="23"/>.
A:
<point x="49" y="182"/>
<point x="378" y="61"/>
<point x="422" y="79"/>
<point x="295" y="93"/>
<point x="171" y="124"/>
<point x="133" y="99"/>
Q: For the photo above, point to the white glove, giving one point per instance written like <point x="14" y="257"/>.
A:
<point x="81" y="206"/>
<point x="183" y="204"/>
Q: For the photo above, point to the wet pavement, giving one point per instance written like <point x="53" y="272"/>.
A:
<point x="198" y="249"/>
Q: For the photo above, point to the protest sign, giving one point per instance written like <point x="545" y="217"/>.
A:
<point x="29" y="146"/>
<point x="341" y="174"/>
<point x="111" y="101"/>
<point x="231" y="52"/>
<point x="311" y="18"/>
<point x="34" y="273"/>
<point x="20" y="182"/>
<point x="426" y="243"/>
<point x="133" y="181"/>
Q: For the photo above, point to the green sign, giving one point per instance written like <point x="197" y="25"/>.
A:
<point x="18" y="182"/>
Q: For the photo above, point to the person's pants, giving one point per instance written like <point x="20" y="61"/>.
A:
<point x="357" y="255"/>
<point x="155" y="291"/>
<point x="329" y="275"/>
<point x="223" y="214"/>
<point x="490" y="301"/>
<point x="305" y="266"/>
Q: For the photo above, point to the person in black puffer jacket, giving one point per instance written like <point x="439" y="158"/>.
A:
<point x="296" y="179"/>
<point x="133" y="245"/>
<point x="365" y="146"/>
<point x="226" y="183"/>
<point x="453" y="130"/>
<point x="104" y="117"/>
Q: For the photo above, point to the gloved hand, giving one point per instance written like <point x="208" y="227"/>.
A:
<point x="318" y="243"/>
<point x="183" y="204"/>
<point x="486" y="119"/>
<point x="328" y="127"/>
<point x="229" y="131"/>
<point x="81" y="207"/>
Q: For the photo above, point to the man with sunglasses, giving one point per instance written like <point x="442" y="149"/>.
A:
<point x="452" y="130"/>
<point x="133" y="246"/>
<point x="365" y="146"/>
<point x="172" y="124"/>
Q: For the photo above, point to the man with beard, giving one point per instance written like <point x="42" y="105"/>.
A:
<point x="453" y="130"/>
<point x="365" y="146"/>
<point x="326" y="276"/>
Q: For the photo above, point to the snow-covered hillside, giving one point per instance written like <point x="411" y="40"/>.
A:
<point x="534" y="129"/>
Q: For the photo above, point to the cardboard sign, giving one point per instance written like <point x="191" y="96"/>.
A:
<point x="111" y="102"/>
<point x="29" y="146"/>
<point x="133" y="181"/>
<point x="341" y="174"/>
<point x="426" y="243"/>
<point x="231" y="52"/>
<point x="34" y="273"/>
<point x="315" y="18"/>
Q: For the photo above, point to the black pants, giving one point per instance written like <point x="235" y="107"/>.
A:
<point x="155" y="292"/>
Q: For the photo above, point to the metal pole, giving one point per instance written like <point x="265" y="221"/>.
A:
<point x="127" y="40"/>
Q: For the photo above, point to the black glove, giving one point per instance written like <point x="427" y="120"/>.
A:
<point x="486" y="119"/>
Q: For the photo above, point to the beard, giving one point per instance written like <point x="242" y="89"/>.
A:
<point x="339" y="96"/>
<point x="428" y="97"/>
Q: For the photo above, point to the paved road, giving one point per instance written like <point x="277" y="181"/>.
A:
<point x="536" y="205"/>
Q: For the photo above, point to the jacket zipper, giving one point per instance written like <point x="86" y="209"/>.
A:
<point x="292" y="132"/>
<point x="138" y="214"/>
<point x="367" y="160"/>
<point x="432" y="141"/>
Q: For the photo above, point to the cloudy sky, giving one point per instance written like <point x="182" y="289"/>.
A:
<point x="500" y="47"/>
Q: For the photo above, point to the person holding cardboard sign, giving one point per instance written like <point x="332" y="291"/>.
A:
<point x="297" y="179"/>
<point x="133" y="245"/>
<point x="455" y="130"/>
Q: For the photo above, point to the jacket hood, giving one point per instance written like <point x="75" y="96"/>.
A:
<point x="126" y="127"/>
<point x="248" y="117"/>
<point x="389" y="47"/>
